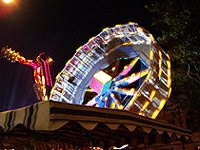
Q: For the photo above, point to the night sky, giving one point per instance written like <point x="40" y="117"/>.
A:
<point x="58" y="28"/>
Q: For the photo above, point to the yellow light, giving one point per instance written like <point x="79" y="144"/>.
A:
<point x="116" y="88"/>
<point x="121" y="107"/>
<point x="67" y="62"/>
<point x="118" y="36"/>
<point x="160" y="63"/>
<point x="91" y="39"/>
<point x="160" y="54"/>
<point x="134" y="62"/>
<point x="170" y="91"/>
<point x="132" y="23"/>
<point x="58" y="75"/>
<point x="143" y="73"/>
<point x="160" y="69"/>
<point x="151" y="54"/>
<point x="162" y="103"/>
<point x="132" y="100"/>
<point x="44" y="90"/>
<point x="46" y="98"/>
<point x="140" y="29"/>
<point x="169" y="73"/>
<point x="155" y="114"/>
<point x="113" y="68"/>
<point x="132" y="90"/>
<point x="168" y="56"/>
<point x="43" y="80"/>
<point x="132" y="43"/>
<point x="78" y="49"/>
<point x="89" y="90"/>
<point x="152" y="94"/>
<point x="169" y="82"/>
<point x="140" y="113"/>
<point x="151" y="37"/>
<point x="148" y="76"/>
<point x="168" y="64"/>
<point x="118" y="25"/>
<point x="49" y="60"/>
<point x="128" y="43"/>
<point x="105" y="29"/>
<point x="7" y="1"/>
<point x="145" y="105"/>
<point x="112" y="105"/>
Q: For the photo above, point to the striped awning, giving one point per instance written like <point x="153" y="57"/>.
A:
<point x="49" y="121"/>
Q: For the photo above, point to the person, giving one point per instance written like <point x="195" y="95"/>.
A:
<point x="41" y="71"/>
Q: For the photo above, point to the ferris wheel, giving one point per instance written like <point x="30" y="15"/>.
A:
<point x="122" y="67"/>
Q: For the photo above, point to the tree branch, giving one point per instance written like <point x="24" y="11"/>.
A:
<point x="189" y="75"/>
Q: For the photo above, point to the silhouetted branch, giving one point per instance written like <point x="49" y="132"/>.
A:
<point x="189" y="74"/>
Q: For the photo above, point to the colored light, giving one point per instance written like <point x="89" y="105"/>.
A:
<point x="134" y="77"/>
<point x="169" y="73"/>
<point x="49" y="60"/>
<point x="7" y="1"/>
<point x="113" y="68"/>
<point x="91" y="39"/>
<point x="133" y="23"/>
<point x="112" y="105"/>
<point x="162" y="103"/>
<point x="168" y="56"/>
<point x="160" y="69"/>
<point x="134" y="62"/>
<point x="105" y="29"/>
<point x="140" y="29"/>
<point x="152" y="94"/>
<point x="143" y="73"/>
<point x="151" y="54"/>
<point x="89" y="90"/>
<point x="168" y="64"/>
<point x="118" y="25"/>
<point x="155" y="114"/>
<point x="145" y="105"/>
<point x="132" y="101"/>
<point x="148" y="76"/>
<point x="170" y="91"/>
<point x="122" y="147"/>
<point x="151" y="37"/>
<point x="102" y="77"/>
<point x="169" y="81"/>
<point x="160" y="54"/>
<point x="129" y="67"/>
<point x="100" y="82"/>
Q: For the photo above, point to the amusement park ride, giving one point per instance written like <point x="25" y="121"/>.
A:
<point x="123" y="67"/>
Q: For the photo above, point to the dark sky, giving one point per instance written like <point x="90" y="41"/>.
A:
<point x="58" y="28"/>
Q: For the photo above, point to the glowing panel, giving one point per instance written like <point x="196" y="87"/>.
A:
<point x="100" y="82"/>
<point x="155" y="114"/>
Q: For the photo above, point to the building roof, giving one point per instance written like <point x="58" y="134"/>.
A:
<point x="77" y="123"/>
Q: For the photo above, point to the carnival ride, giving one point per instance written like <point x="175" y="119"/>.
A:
<point x="41" y="68"/>
<point x="123" y="67"/>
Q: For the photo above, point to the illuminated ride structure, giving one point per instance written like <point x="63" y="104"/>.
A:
<point x="122" y="67"/>
<point x="41" y="68"/>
